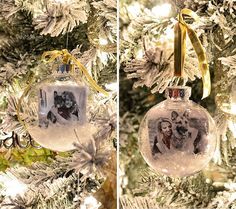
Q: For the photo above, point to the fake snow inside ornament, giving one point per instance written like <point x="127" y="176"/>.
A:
<point x="177" y="137"/>
<point x="58" y="116"/>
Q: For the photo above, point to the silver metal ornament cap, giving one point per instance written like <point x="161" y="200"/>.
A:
<point x="65" y="68"/>
<point x="178" y="93"/>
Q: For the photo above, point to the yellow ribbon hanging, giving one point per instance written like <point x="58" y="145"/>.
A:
<point x="180" y="29"/>
<point x="66" y="57"/>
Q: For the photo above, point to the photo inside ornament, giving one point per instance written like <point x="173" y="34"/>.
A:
<point x="61" y="105"/>
<point x="177" y="137"/>
<point x="54" y="112"/>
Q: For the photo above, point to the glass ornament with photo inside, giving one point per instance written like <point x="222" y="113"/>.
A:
<point x="54" y="110"/>
<point x="177" y="137"/>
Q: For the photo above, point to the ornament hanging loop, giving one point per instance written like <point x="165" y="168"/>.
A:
<point x="181" y="28"/>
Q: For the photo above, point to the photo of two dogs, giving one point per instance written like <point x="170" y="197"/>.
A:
<point x="184" y="133"/>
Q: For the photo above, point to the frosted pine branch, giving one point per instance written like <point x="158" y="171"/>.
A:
<point x="59" y="18"/>
<point x="155" y="70"/>
<point x="221" y="13"/>
<point x="138" y="203"/>
<point x="91" y="157"/>
<point x="10" y="119"/>
<point x="107" y="10"/>
<point x="49" y="186"/>
<point x="178" y="192"/>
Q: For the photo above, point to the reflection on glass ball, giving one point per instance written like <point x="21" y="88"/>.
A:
<point x="177" y="137"/>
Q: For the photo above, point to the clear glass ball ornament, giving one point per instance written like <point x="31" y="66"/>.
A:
<point x="54" y="111"/>
<point x="177" y="137"/>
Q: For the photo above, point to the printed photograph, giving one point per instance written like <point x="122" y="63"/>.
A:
<point x="179" y="131"/>
<point x="61" y="105"/>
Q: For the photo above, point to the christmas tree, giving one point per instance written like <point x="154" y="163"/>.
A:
<point x="32" y="176"/>
<point x="147" y="68"/>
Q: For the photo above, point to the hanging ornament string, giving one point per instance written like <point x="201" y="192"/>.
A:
<point x="66" y="56"/>
<point x="180" y="30"/>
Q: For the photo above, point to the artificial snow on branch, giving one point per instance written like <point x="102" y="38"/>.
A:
<point x="90" y="157"/>
<point x="59" y="18"/>
<point x="102" y="25"/>
<point x="155" y="70"/>
<point x="56" y="183"/>
<point x="107" y="9"/>
<point x="138" y="203"/>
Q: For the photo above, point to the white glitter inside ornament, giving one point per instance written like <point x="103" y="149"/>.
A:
<point x="61" y="138"/>
<point x="177" y="137"/>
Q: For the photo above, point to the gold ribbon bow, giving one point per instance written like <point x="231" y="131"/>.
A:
<point x="66" y="57"/>
<point x="180" y="30"/>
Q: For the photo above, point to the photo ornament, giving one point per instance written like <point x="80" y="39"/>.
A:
<point x="177" y="131"/>
<point x="62" y="105"/>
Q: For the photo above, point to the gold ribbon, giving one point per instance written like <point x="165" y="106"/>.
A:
<point x="180" y="29"/>
<point x="66" y="57"/>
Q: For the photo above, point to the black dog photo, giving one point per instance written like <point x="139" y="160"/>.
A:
<point x="61" y="106"/>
